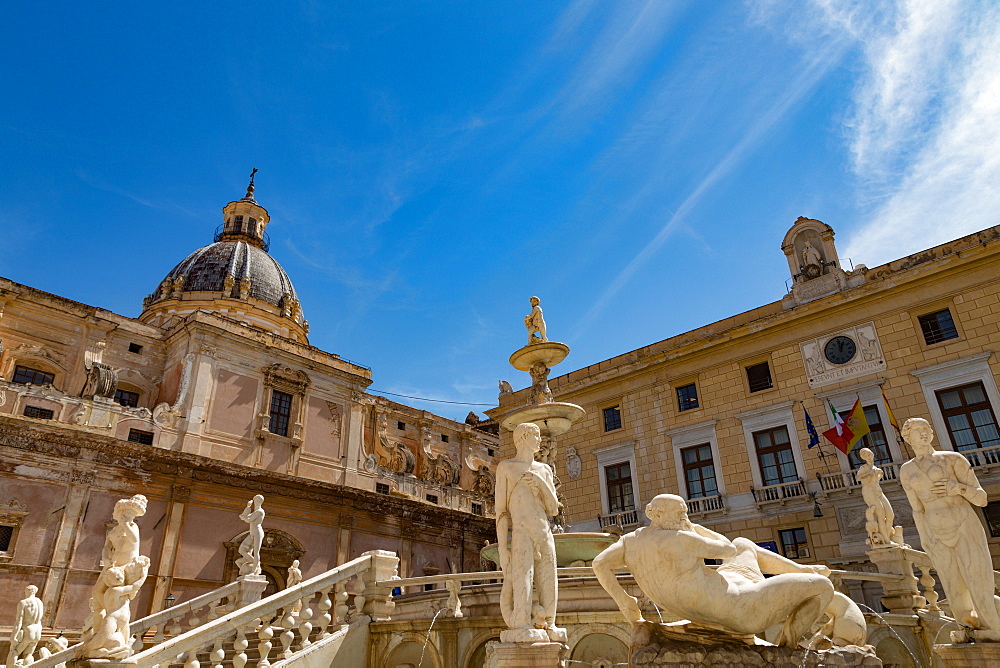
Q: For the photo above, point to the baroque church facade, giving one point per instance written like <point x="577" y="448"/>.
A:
<point x="213" y="394"/>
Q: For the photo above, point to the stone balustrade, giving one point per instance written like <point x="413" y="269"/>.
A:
<point x="624" y="519"/>
<point x="780" y="493"/>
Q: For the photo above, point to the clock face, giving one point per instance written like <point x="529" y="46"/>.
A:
<point x="840" y="349"/>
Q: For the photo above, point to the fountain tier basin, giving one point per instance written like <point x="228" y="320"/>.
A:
<point x="571" y="548"/>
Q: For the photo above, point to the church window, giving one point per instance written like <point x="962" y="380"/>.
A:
<point x="687" y="397"/>
<point x="40" y="413"/>
<point x="969" y="416"/>
<point x="938" y="326"/>
<point x="6" y="536"/>
<point x="793" y="543"/>
<point x="281" y="411"/>
<point x="127" y="397"/>
<point x="477" y="508"/>
<point x="612" y="418"/>
<point x="759" y="377"/>
<point x="238" y="224"/>
<point x="381" y="488"/>
<point x="774" y="454"/>
<point x="618" y="478"/>
<point x="252" y="226"/>
<point x="29" y="376"/>
<point x="139" y="436"/>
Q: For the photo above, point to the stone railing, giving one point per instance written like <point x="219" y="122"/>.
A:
<point x="448" y="496"/>
<point x="983" y="458"/>
<point x="302" y="616"/>
<point x="846" y="480"/>
<point x="779" y="493"/>
<point x="179" y="618"/>
<point x="705" y="504"/>
<point x="624" y="519"/>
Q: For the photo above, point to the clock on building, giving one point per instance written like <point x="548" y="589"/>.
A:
<point x="840" y="349"/>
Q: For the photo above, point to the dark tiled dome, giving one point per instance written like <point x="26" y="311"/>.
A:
<point x="205" y="270"/>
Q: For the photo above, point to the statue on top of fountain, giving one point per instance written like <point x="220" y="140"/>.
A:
<point x="535" y="323"/>
<point x="667" y="560"/>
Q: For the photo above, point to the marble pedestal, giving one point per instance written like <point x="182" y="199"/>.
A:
<point x="969" y="655"/>
<point x="529" y="655"/>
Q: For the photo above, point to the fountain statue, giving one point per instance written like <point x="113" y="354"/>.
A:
<point x="27" y="628"/>
<point x="943" y="491"/>
<point x="879" y="516"/>
<point x="535" y="323"/>
<point x="253" y="514"/>
<point x="106" y="632"/>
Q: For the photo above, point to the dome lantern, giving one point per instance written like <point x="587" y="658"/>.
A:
<point x="245" y="220"/>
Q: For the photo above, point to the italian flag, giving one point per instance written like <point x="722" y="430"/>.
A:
<point x="847" y="431"/>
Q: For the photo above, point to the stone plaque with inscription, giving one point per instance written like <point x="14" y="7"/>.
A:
<point x="842" y="355"/>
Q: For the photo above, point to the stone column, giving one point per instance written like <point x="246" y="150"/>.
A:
<point x="62" y="552"/>
<point x="353" y="442"/>
<point x="169" y="546"/>
<point x="901" y="596"/>
<point x="449" y="645"/>
<point x="200" y="386"/>
<point x="378" y="598"/>
<point x="405" y="549"/>
<point x="344" y="540"/>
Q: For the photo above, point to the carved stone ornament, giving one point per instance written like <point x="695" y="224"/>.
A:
<point x="437" y="468"/>
<point x="102" y="381"/>
<point x="574" y="466"/>
<point x="394" y="457"/>
<point x="286" y="379"/>
<point x="837" y="356"/>
<point x="166" y="414"/>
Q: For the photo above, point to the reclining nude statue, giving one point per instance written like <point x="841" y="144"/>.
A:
<point x="667" y="560"/>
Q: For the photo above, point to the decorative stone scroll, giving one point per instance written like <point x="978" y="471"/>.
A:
<point x="437" y="468"/>
<point x="394" y="457"/>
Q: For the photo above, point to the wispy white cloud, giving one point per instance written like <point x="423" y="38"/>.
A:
<point x="923" y="130"/>
<point x="157" y="202"/>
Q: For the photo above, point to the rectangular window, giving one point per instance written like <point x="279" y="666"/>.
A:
<point x="699" y="471"/>
<point x="875" y="441"/>
<point x="139" y="436"/>
<point x="432" y="498"/>
<point x="252" y="226"/>
<point x="687" y="397"/>
<point x="490" y="451"/>
<point x="444" y="438"/>
<point x="612" y="418"/>
<point x="281" y="412"/>
<point x="401" y="426"/>
<point x="992" y="513"/>
<point x="135" y="348"/>
<point x="618" y="478"/>
<point x="126" y="398"/>
<point x="381" y="488"/>
<point x="793" y="543"/>
<point x="40" y="413"/>
<point x="28" y="376"/>
<point x="759" y="377"/>
<point x="6" y="534"/>
<point x="774" y="454"/>
<point x="938" y="326"/>
<point x="969" y="416"/>
<point x="477" y="508"/>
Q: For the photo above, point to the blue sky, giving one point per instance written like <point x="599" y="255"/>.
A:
<point x="429" y="166"/>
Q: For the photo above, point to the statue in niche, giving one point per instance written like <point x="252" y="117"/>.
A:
<point x="27" y="628"/>
<point x="535" y="323"/>
<point x="106" y="632"/>
<point x="811" y="256"/>
<point x="540" y="392"/>
<point x="667" y="560"/>
<point x="525" y="500"/>
<point x="943" y="491"/>
<point x="879" y="516"/>
<point x="253" y="514"/>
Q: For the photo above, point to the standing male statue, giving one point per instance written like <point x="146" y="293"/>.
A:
<point x="27" y="629"/>
<point x="535" y="323"/>
<point x="943" y="489"/>
<point x="525" y="500"/>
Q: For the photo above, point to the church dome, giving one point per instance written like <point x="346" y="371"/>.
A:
<point x="233" y="277"/>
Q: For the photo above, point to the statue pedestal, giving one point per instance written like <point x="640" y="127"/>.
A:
<point x="969" y="655"/>
<point x="529" y="655"/>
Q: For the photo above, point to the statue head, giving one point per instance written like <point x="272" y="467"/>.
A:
<point x="127" y="510"/>
<point x="919" y="434"/>
<point x="295" y="563"/>
<point x="527" y="436"/>
<point x="668" y="511"/>
<point x="258" y="501"/>
<point x="535" y="301"/>
<point x="114" y="576"/>
<point x="867" y="455"/>
<point x="30" y="591"/>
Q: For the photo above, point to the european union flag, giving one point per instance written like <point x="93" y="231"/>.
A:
<point x="813" y="435"/>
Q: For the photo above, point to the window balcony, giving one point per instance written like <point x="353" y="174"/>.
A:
<point x="780" y="493"/>
<point x="625" y="519"/>
<point x="705" y="504"/>
<point x="847" y="481"/>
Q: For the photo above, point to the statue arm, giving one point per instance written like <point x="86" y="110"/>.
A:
<point x="918" y="508"/>
<point x="604" y="568"/>
<point x="503" y="518"/>
<point x="708" y="544"/>
<point x="549" y="497"/>
<point x="966" y="483"/>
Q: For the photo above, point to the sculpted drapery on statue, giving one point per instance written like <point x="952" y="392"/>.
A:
<point x="943" y="491"/>
<point x="535" y="323"/>
<point x="27" y="628"/>
<point x="253" y="514"/>
<point x="667" y="560"/>
<point x="525" y="500"/>
<point x="106" y="633"/>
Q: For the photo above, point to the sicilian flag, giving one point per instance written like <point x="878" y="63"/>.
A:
<point x="888" y="410"/>
<point x="847" y="430"/>
<point x="811" y="429"/>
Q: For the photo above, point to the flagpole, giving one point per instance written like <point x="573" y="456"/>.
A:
<point x="819" y="442"/>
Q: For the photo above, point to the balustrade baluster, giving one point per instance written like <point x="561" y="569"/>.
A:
<point x="175" y="624"/>
<point x="341" y="609"/>
<point x="218" y="653"/>
<point x="305" y="626"/>
<point x="927" y="582"/>
<point x="288" y="622"/>
<point x="192" y="659"/>
<point x="264" y="634"/>
<point x="325" y="604"/>
<point x="359" y="597"/>
<point x="194" y="621"/>
<point x="158" y="636"/>
<point x="240" y="648"/>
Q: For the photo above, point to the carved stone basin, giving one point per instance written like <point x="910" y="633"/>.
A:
<point x="553" y="418"/>
<point x="571" y="548"/>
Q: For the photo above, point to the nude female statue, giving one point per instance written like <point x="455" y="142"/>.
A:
<point x="943" y="491"/>
<point x="879" y="516"/>
<point x="249" y="561"/>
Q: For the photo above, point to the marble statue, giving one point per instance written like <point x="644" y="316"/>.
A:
<point x="535" y="322"/>
<point x="106" y="632"/>
<point x="505" y="389"/>
<point x="811" y="256"/>
<point x="253" y="514"/>
<point x="454" y="604"/>
<point x="667" y="560"/>
<point x="943" y="491"/>
<point x="27" y="628"/>
<point x="294" y="574"/>
<point x="53" y="646"/>
<point x="574" y="465"/>
<point x="879" y="516"/>
<point x="540" y="392"/>
<point x="525" y="500"/>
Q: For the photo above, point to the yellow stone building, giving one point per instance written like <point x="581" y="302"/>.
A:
<point x="717" y="414"/>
